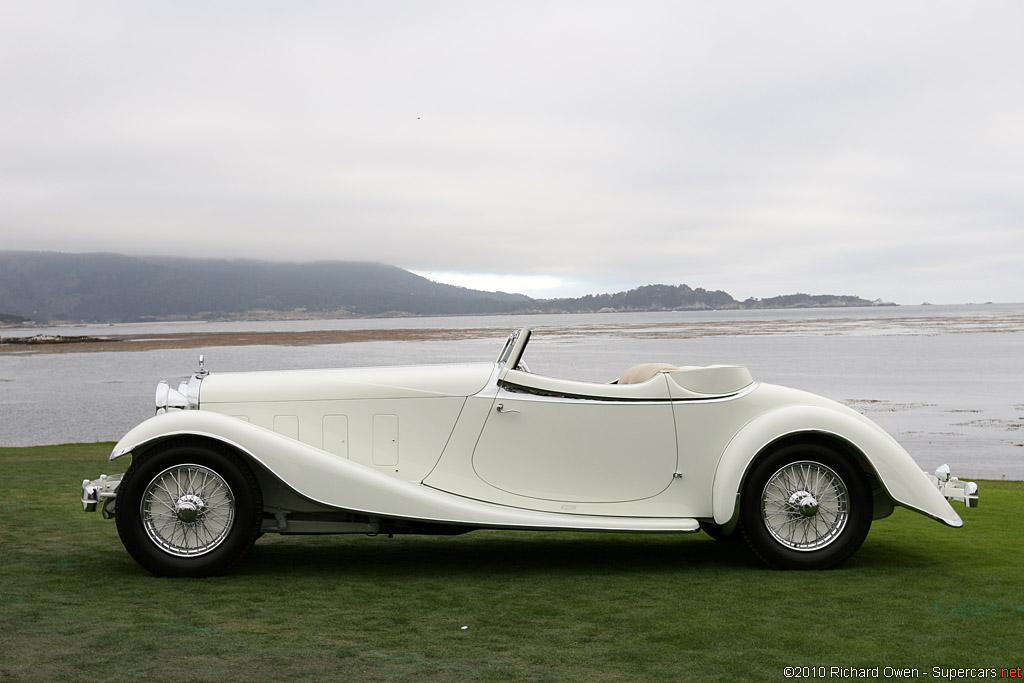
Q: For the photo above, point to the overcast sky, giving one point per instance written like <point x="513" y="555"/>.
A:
<point x="763" y="148"/>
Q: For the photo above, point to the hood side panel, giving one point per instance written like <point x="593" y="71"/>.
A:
<point x="363" y="383"/>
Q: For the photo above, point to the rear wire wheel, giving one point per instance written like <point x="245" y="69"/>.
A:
<point x="188" y="508"/>
<point x="805" y="506"/>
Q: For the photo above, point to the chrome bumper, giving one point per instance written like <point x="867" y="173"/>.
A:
<point x="952" y="488"/>
<point x="102" y="490"/>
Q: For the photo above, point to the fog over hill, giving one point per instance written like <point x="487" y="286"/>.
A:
<point x="51" y="286"/>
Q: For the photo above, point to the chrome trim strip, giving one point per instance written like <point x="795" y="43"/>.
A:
<point x="530" y="395"/>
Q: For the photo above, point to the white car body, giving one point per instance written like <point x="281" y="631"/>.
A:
<point x="460" y="447"/>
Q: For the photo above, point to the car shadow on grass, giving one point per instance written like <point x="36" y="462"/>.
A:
<point x="495" y="553"/>
<point x="522" y="553"/>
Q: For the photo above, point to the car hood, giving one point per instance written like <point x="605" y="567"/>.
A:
<point x="352" y="383"/>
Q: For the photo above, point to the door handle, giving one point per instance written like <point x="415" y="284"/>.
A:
<point x="501" y="409"/>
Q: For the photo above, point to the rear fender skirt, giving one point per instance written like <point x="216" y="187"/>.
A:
<point x="338" y="482"/>
<point x="902" y="478"/>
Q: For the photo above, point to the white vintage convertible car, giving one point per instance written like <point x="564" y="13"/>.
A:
<point x="453" y="448"/>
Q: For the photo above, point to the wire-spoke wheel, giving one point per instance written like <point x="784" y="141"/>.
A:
<point x="188" y="509"/>
<point x="805" y="506"/>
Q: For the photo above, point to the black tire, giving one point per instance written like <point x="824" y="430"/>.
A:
<point x="805" y="506"/>
<point x="188" y="508"/>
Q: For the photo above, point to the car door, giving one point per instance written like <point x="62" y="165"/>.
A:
<point x="568" y="447"/>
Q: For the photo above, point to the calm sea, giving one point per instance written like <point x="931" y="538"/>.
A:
<point x="946" y="381"/>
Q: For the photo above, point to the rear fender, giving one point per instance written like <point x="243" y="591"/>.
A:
<point x="896" y="471"/>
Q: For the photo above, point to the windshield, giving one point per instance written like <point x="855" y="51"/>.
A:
<point x="509" y="345"/>
<point x="514" y="347"/>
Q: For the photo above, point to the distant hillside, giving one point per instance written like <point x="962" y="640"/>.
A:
<point x="6" y="319"/>
<point x="812" y="301"/>
<point x="683" y="298"/>
<point x="47" y="286"/>
<point x="646" y="298"/>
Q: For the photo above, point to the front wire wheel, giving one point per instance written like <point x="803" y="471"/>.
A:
<point x="805" y="506"/>
<point x="188" y="508"/>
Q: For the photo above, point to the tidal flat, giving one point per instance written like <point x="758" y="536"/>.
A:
<point x="944" y="380"/>
<point x="571" y="326"/>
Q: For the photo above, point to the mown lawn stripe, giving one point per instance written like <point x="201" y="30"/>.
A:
<point x="539" y="606"/>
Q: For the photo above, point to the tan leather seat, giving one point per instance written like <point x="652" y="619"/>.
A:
<point x="643" y="372"/>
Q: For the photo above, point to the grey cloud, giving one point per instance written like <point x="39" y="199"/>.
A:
<point x="750" y="147"/>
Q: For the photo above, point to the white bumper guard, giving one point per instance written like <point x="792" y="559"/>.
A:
<point x="954" y="489"/>
<point x="102" y="490"/>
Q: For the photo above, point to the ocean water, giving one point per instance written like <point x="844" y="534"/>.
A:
<point x="946" y="381"/>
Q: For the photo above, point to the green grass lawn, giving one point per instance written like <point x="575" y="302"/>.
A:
<point x="493" y="605"/>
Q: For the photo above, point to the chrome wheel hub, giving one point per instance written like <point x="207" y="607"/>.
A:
<point x="805" y="506"/>
<point x="804" y="503"/>
<point x="187" y="510"/>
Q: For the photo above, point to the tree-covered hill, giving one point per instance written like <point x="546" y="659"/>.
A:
<point x="50" y="286"/>
<point x="113" y="288"/>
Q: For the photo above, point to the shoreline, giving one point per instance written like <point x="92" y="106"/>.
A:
<point x="1004" y="322"/>
<point x="187" y="340"/>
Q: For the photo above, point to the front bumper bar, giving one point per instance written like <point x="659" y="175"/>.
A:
<point x="953" y="488"/>
<point x="102" y="490"/>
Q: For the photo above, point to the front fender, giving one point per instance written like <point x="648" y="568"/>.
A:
<point x="315" y="474"/>
<point x="901" y="477"/>
<point x="337" y="482"/>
